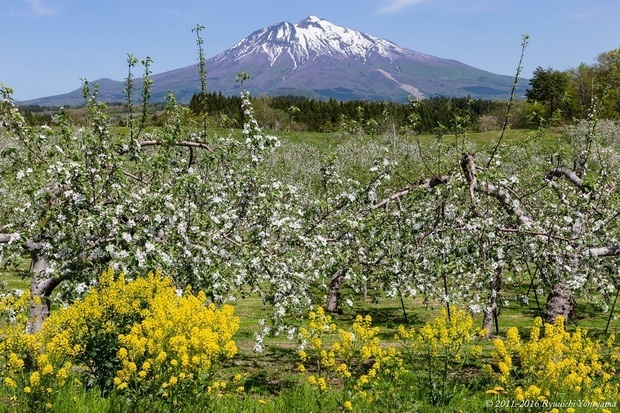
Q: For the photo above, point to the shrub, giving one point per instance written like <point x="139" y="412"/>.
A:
<point x="554" y="365"/>
<point x="439" y="352"/>
<point x="174" y="352"/>
<point x="177" y="340"/>
<point x="87" y="332"/>
<point x="365" y="369"/>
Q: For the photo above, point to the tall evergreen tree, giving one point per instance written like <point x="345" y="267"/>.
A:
<point x="548" y="86"/>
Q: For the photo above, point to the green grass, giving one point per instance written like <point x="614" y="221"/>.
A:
<point x="275" y="368"/>
<point x="12" y="279"/>
<point x="548" y="138"/>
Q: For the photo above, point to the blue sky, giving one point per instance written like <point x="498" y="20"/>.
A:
<point x="46" y="46"/>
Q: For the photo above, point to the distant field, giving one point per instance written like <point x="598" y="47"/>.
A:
<point x="547" y="138"/>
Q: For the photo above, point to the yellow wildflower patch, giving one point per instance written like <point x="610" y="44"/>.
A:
<point x="554" y="363"/>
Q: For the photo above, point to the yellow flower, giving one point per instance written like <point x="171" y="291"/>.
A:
<point x="161" y="357"/>
<point x="343" y="370"/>
<point x="519" y="396"/>
<point x="504" y="368"/>
<point x="322" y="384"/>
<point x="15" y="363"/>
<point x="317" y="343"/>
<point x="348" y="406"/>
<point x="35" y="378"/>
<point x="476" y="351"/>
<point x="47" y="370"/>
<point x="27" y="389"/>
<point x="121" y="353"/>
<point x="9" y="382"/>
<point x="512" y="337"/>
<point x="497" y="390"/>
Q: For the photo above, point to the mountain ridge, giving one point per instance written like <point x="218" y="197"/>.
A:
<point x="316" y="59"/>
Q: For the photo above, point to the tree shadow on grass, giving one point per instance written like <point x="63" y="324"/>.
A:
<point x="388" y="317"/>
<point x="269" y="371"/>
<point x="263" y="381"/>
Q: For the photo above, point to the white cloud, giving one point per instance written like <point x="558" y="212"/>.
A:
<point x="39" y="7"/>
<point x="395" y="5"/>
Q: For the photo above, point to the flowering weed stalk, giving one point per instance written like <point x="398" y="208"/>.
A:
<point x="439" y="352"/>
<point x="356" y="359"/>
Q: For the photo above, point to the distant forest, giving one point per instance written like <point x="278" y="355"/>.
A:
<point x="295" y="113"/>
<point x="301" y="113"/>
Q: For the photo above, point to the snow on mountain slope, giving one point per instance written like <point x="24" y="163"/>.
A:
<point x="312" y="38"/>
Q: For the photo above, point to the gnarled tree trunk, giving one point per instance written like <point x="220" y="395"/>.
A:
<point x="490" y="312"/>
<point x="559" y="302"/>
<point x="333" y="295"/>
<point x="41" y="287"/>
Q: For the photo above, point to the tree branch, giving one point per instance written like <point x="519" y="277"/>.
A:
<point x="132" y="176"/>
<point x="537" y="233"/>
<point x="425" y="183"/>
<point x="5" y="238"/>
<point x="502" y="196"/>
<point x="612" y="251"/>
<point x="469" y="170"/>
<point x="187" y="144"/>
<point x="504" y="199"/>
<point x="570" y="175"/>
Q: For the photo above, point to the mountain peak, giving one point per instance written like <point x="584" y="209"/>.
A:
<point x="311" y="19"/>
<point x="310" y="39"/>
<point x="319" y="59"/>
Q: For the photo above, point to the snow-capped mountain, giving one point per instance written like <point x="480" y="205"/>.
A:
<point x="318" y="59"/>
<point x="312" y="39"/>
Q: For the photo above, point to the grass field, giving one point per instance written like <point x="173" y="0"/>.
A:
<point x="548" y="138"/>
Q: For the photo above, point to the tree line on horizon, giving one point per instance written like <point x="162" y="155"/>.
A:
<point x="298" y="113"/>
